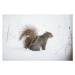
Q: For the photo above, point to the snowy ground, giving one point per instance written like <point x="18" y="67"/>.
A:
<point x="58" y="48"/>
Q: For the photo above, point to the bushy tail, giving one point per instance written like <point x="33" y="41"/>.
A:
<point x="29" y="31"/>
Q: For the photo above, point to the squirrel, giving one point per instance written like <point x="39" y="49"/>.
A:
<point x="34" y="41"/>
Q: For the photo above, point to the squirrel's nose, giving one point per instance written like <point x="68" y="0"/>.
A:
<point x="52" y="35"/>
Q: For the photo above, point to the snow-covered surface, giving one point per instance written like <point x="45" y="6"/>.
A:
<point x="58" y="48"/>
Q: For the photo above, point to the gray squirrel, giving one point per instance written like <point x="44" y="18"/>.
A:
<point x="34" y="41"/>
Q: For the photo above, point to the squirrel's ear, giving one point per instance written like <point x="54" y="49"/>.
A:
<point x="46" y="32"/>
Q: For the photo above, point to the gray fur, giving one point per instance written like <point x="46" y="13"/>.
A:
<point x="37" y="45"/>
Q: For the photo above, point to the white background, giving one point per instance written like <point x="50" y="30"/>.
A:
<point x="36" y="67"/>
<point x="57" y="48"/>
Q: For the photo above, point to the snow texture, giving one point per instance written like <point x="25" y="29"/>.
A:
<point x="58" y="48"/>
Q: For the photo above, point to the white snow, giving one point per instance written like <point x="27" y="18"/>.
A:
<point x="58" y="48"/>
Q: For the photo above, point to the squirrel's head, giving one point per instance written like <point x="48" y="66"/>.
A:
<point x="49" y="34"/>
